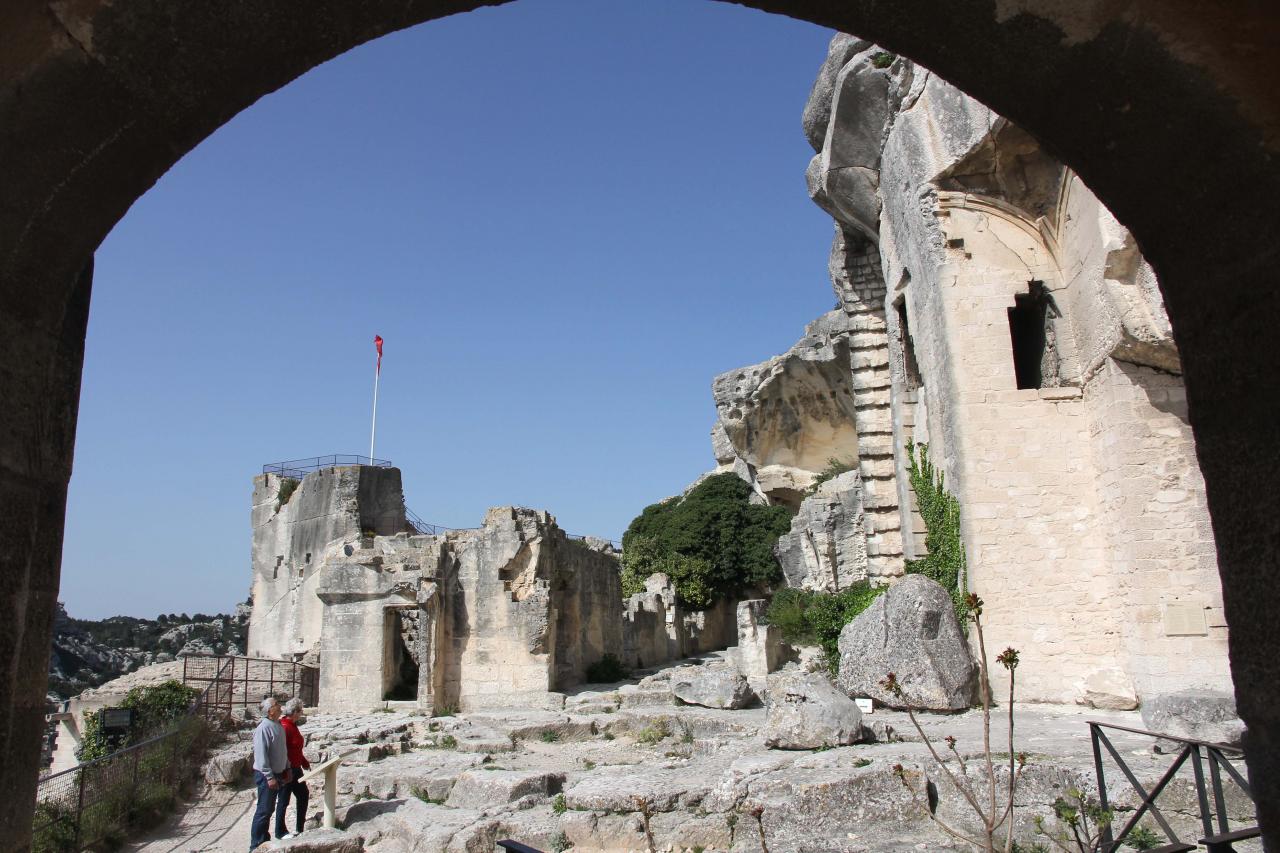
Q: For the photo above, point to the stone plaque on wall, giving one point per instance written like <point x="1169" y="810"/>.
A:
<point x="1185" y="620"/>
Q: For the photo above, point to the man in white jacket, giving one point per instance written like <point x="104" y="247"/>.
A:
<point x="270" y="768"/>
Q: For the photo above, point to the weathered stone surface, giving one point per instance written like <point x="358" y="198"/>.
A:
<point x="863" y="99"/>
<point x="787" y="417"/>
<point x="479" y="789"/>
<point x="817" y="109"/>
<point x="319" y="841"/>
<point x="624" y="789"/>
<point x="806" y="712"/>
<point x="711" y="687"/>
<point x="432" y="773"/>
<point x="229" y="765"/>
<point x="760" y="648"/>
<point x="1208" y="715"/>
<point x="1110" y="688"/>
<point x="291" y="529"/>
<point x="911" y="630"/>
<point x="407" y="824"/>
<point x="826" y="549"/>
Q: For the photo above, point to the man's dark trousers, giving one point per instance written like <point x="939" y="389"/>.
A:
<point x="266" y="806"/>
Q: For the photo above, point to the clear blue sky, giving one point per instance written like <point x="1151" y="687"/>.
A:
<point x="564" y="218"/>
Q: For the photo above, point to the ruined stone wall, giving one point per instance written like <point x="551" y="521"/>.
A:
<point x="363" y="585"/>
<point x="1083" y="511"/>
<point x="501" y="623"/>
<point x="327" y="505"/>
<point x="656" y="629"/>
<point x="1150" y="488"/>
<point x="1019" y="462"/>
<point x="503" y="615"/>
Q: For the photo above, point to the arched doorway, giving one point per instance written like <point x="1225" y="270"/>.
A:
<point x="1167" y="111"/>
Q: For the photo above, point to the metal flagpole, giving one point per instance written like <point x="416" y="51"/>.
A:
<point x="377" y="373"/>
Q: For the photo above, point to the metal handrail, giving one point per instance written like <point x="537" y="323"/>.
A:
<point x="299" y="468"/>
<point x="1198" y="751"/>
<point x="430" y="529"/>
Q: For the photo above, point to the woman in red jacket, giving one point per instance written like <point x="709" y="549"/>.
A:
<point x="297" y="764"/>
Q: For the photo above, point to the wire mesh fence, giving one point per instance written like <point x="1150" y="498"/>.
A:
<point x="98" y="801"/>
<point x="230" y="683"/>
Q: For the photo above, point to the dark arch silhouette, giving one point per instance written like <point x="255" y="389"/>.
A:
<point x="1168" y="109"/>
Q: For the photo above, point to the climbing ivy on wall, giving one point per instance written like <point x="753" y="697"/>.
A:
<point x="940" y="510"/>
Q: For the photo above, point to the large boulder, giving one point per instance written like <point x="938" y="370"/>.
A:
<point x="804" y="711"/>
<point x="1208" y="715"/>
<point x="912" y="631"/>
<point x="826" y="549"/>
<point x="726" y="689"/>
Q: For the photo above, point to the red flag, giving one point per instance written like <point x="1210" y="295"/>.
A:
<point x="377" y="342"/>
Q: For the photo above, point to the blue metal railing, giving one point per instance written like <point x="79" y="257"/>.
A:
<point x="299" y="468"/>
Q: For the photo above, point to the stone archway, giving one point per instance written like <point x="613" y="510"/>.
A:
<point x="1166" y="108"/>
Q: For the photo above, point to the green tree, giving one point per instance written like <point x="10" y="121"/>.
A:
<point x="713" y="542"/>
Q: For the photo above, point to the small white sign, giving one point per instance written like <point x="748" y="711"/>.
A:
<point x="866" y="706"/>
<point x="1185" y="620"/>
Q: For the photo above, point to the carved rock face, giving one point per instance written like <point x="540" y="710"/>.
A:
<point x="826" y="549"/>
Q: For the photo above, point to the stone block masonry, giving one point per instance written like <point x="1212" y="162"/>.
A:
<point x="504" y="615"/>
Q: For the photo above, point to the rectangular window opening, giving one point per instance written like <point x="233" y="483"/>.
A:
<point x="1035" y="358"/>
<point x="910" y="367"/>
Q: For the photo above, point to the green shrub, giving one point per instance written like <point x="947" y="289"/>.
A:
<point x="883" y="59"/>
<point x="940" y="510"/>
<point x="559" y="805"/>
<point x="607" y="670"/>
<point x="835" y="467"/>
<point x="549" y="736"/>
<point x="53" y="830"/>
<point x="1143" y="838"/>
<point x="713" y="542"/>
<point x="156" y="707"/>
<point x="806" y="618"/>
<point x="691" y="575"/>
<point x="288" y="486"/>
<point x="653" y="733"/>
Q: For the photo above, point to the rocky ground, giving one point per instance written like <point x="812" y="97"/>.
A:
<point x="625" y="768"/>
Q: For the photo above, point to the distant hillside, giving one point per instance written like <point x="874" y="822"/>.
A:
<point x="88" y="653"/>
